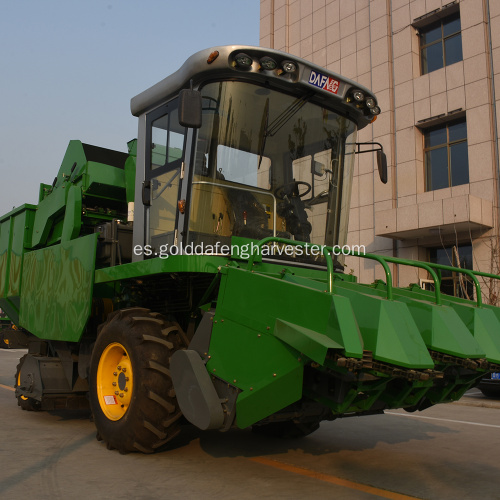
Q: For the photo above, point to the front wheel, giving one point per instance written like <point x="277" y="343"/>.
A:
<point x="131" y="393"/>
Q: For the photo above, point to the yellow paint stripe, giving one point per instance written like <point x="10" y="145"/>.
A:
<point x="332" y="479"/>
<point x="7" y="387"/>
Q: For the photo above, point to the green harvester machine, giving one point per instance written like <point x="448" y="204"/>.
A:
<point x="200" y="275"/>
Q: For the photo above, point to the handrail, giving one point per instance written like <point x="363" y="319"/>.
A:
<point x="327" y="251"/>
<point x="468" y="272"/>
<point x="404" y="262"/>
<point x="428" y="266"/>
<point x="324" y="249"/>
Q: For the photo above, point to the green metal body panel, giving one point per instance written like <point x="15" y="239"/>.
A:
<point x="457" y="327"/>
<point x="266" y="369"/>
<point x="312" y="344"/>
<point x="440" y="326"/>
<point x="385" y="326"/>
<point x="57" y="289"/>
<point x="151" y="267"/>
<point x="15" y="237"/>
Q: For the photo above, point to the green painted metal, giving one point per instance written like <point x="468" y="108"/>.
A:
<point x="388" y="330"/>
<point x="312" y="344"/>
<point x="400" y="327"/>
<point x="90" y="181"/>
<point x="175" y="263"/>
<point x="441" y="327"/>
<point x="73" y="216"/>
<point x="15" y="238"/>
<point x="268" y="372"/>
<point x="482" y="322"/>
<point x="57" y="287"/>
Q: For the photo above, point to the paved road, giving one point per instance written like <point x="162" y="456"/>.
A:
<point x="447" y="452"/>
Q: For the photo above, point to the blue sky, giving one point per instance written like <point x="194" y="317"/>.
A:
<point x="68" y="69"/>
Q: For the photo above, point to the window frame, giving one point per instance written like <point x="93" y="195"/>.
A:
<point x="448" y="144"/>
<point x="459" y="281"/>
<point x="423" y="47"/>
<point x="165" y="109"/>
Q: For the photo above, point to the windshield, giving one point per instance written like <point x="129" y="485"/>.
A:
<point x="270" y="164"/>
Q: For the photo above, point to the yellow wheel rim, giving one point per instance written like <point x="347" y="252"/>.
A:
<point x="24" y="398"/>
<point x="114" y="381"/>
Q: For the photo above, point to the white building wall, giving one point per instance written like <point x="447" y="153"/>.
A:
<point x="373" y="42"/>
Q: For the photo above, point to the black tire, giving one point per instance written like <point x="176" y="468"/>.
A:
<point x="26" y="403"/>
<point x="3" y="341"/>
<point x="287" y="429"/>
<point x="491" y="393"/>
<point x="145" y="414"/>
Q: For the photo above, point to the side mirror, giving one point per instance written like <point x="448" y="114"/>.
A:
<point x="382" y="165"/>
<point x="190" y="108"/>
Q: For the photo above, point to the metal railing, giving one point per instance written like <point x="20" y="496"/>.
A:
<point x="328" y="252"/>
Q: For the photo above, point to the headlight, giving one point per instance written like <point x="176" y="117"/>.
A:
<point x="358" y="95"/>
<point x="370" y="103"/>
<point x="289" y="66"/>
<point x="243" y="60"/>
<point x="268" y="63"/>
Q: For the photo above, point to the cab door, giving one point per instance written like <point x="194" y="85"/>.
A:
<point x="165" y="146"/>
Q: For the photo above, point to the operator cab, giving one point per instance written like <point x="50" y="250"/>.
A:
<point x="272" y="156"/>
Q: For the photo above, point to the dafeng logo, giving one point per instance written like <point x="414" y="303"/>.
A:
<point x="324" y="82"/>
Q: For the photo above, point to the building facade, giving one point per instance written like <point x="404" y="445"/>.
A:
<point x="435" y="68"/>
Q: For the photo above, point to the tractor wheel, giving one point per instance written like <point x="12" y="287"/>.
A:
<point x="131" y="393"/>
<point x="287" y="429"/>
<point x="28" y="404"/>
<point x="491" y="393"/>
<point x="4" y="343"/>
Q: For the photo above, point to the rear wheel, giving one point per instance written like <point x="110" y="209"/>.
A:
<point x="131" y="393"/>
<point x="491" y="393"/>
<point x="3" y="341"/>
<point x="26" y="403"/>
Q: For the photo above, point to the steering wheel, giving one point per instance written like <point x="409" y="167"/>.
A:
<point x="292" y="188"/>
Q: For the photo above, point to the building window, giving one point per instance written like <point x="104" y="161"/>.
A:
<point x="445" y="155"/>
<point x="456" y="284"/>
<point x="440" y="43"/>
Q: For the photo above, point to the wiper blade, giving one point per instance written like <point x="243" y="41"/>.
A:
<point x="263" y="132"/>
